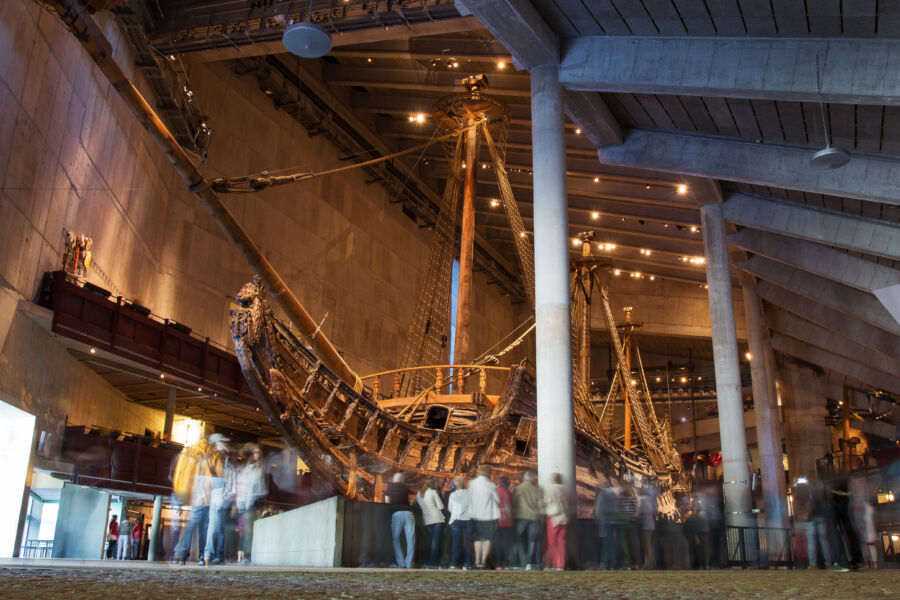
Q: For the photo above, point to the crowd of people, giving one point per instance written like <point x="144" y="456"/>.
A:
<point x="837" y="518"/>
<point x="223" y="484"/>
<point x="123" y="540"/>
<point x="480" y="524"/>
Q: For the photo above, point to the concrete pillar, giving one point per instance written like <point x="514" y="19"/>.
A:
<point x="769" y="445"/>
<point x="555" y="412"/>
<point x="736" y="487"/>
<point x="155" y="527"/>
<point x="170" y="415"/>
<point x="804" y="404"/>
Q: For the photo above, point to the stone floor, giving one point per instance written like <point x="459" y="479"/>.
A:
<point x="96" y="579"/>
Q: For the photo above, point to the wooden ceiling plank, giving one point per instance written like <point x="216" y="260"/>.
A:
<point x="842" y="124"/>
<point x="868" y="128"/>
<point x="790" y="17"/>
<point x="792" y="124"/>
<point x="744" y="118"/>
<point x="636" y="16"/>
<point x="726" y="17"/>
<point x="721" y="116"/>
<point x="609" y="18"/>
<point x="825" y="18"/>
<point x="677" y="113"/>
<point x="667" y="19"/>
<point x="890" y="135"/>
<point x="758" y="18"/>
<point x="695" y="18"/>
<point x="569" y="18"/>
<point x="768" y="120"/>
<point x="859" y="18"/>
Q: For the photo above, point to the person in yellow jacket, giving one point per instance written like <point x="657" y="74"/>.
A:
<point x="189" y="487"/>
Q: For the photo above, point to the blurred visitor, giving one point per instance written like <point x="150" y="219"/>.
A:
<point x="402" y="521"/>
<point x="528" y="510"/>
<point x="505" y="550"/>
<point x="484" y="506"/>
<point x="432" y="507"/>
<point x="250" y="488"/>
<point x="557" y="509"/>
<point x="460" y="523"/>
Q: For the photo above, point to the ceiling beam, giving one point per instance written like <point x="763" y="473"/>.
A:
<point x="531" y="41"/>
<point x="424" y="80"/>
<point x="846" y="325"/>
<point x="223" y="46"/>
<point x="815" y="258"/>
<point x="870" y="236"/>
<point x="842" y="298"/>
<point x="856" y="71"/>
<point x="865" y="177"/>
<point x="834" y="362"/>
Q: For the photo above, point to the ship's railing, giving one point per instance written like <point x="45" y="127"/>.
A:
<point x="438" y="379"/>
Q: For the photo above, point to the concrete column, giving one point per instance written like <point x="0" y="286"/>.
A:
<point x="769" y="445"/>
<point x="804" y="404"/>
<point x="728" y="376"/>
<point x="155" y="527"/>
<point x="555" y="412"/>
<point x="170" y="415"/>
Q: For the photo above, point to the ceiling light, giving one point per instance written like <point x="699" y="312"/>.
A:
<point x="699" y="379"/>
<point x="646" y="187"/>
<point x="521" y="234"/>
<point x="93" y="351"/>
<point x="684" y="419"/>
<point x="576" y="242"/>
<point x="484" y="165"/>
<point x="171" y="57"/>
<point x="596" y="180"/>
<point x="637" y="275"/>
<point x="501" y="65"/>
<point x="495" y="203"/>
<point x="199" y="389"/>
<point x="455" y="65"/>
<point x="578" y="131"/>
<point x="307" y="40"/>
<point x="652" y="278"/>
<point x="693" y="229"/>
<point x="616" y="272"/>
<point x="748" y="356"/>
<point x="681" y="189"/>
<point x="634" y="382"/>
<point x="658" y="380"/>
<point x="595" y="215"/>
<point x="368" y="60"/>
<point x="684" y="380"/>
<point x="705" y="286"/>
<point x="162" y="375"/>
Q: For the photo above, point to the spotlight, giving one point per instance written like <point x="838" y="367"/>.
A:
<point x="578" y="131"/>
<point x="199" y="389"/>
<point x="658" y="380"/>
<point x="162" y="375"/>
<point x="748" y="356"/>
<point x="595" y="215"/>
<point x="693" y="229"/>
<point x="495" y="203"/>
<point x="616" y="272"/>
<point x="684" y="380"/>
<point x="171" y="57"/>
<point x="369" y="60"/>
<point x="93" y="351"/>
<point x="501" y="65"/>
<point x="576" y="242"/>
<point x="596" y="180"/>
<point x="681" y="189"/>
<point x="521" y="234"/>
<point x="652" y="278"/>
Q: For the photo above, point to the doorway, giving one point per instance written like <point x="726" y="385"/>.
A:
<point x="16" y="433"/>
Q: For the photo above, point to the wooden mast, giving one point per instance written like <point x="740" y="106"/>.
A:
<point x="466" y="251"/>
<point x="587" y="283"/>
<point x="627" y="336"/>
<point x="82" y="25"/>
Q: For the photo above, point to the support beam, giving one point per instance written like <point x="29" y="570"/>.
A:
<point x="844" y="268"/>
<point x="783" y="322"/>
<point x="870" y="236"/>
<point x="769" y="445"/>
<point x="865" y="177"/>
<point x="155" y="528"/>
<point x="555" y="408"/>
<point x="859" y="71"/>
<point x="531" y="42"/>
<point x="840" y="323"/>
<point x="219" y="48"/>
<point x="842" y="298"/>
<point x="170" y="414"/>
<point x="728" y="375"/>
<point x="834" y="362"/>
<point x="805" y="433"/>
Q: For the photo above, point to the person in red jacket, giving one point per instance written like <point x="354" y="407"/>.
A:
<point x="136" y="537"/>
<point x="112" y="537"/>
<point x="506" y="532"/>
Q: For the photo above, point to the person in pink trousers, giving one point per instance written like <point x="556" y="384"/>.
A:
<point x="556" y="505"/>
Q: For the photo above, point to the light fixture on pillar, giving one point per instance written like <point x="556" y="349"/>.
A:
<point x="306" y="39"/>
<point x="828" y="157"/>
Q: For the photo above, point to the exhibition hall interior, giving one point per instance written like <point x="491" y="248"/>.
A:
<point x="436" y="298"/>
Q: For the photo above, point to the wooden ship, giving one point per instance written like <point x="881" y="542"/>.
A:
<point x="350" y="433"/>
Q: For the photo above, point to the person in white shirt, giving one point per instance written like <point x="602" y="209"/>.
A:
<point x="432" y="507"/>
<point x="460" y="522"/>
<point x="484" y="506"/>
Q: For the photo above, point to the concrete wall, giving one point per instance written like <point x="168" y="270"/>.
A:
<point x="81" y="523"/>
<point x="309" y="536"/>
<point x="665" y="307"/>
